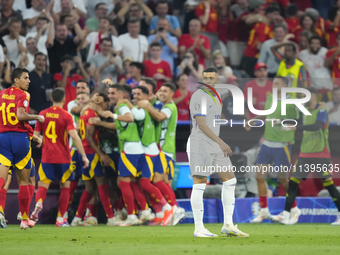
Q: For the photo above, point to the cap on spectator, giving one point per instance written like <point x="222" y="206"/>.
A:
<point x="232" y="78"/>
<point x="259" y="65"/>
<point x="255" y="3"/>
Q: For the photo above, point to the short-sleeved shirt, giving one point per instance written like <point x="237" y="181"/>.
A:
<point x="199" y="142"/>
<point x="151" y="69"/>
<point x="71" y="86"/>
<point x="172" y="20"/>
<point x="13" y="54"/>
<point x="94" y="39"/>
<point x="134" y="47"/>
<point x="37" y="89"/>
<point x="292" y="23"/>
<point x="335" y="66"/>
<point x="183" y="106"/>
<point x="331" y="34"/>
<point x="237" y="26"/>
<point x="30" y="14"/>
<point x="83" y="123"/>
<point x="212" y="25"/>
<point x="259" y="33"/>
<point x="187" y="41"/>
<point x="55" y="132"/>
<point x="144" y="27"/>
<point x="14" y="98"/>
<point x="5" y="19"/>
<point x="58" y="50"/>
<point x="166" y="55"/>
<point x="41" y="45"/>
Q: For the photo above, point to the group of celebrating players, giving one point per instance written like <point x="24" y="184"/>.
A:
<point x="123" y="150"/>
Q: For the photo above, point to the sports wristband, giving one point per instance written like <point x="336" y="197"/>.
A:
<point x="115" y="115"/>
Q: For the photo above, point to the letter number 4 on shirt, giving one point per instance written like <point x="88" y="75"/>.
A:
<point x="50" y="132"/>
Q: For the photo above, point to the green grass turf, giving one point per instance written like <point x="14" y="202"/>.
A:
<point x="264" y="239"/>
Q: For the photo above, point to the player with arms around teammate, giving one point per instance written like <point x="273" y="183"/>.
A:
<point x="15" y="137"/>
<point x="206" y="149"/>
<point x="56" y="157"/>
<point x="276" y="149"/>
<point x="314" y="157"/>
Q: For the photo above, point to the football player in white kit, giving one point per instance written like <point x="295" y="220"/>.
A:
<point x="206" y="150"/>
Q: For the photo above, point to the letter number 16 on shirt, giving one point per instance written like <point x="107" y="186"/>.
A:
<point x="50" y="132"/>
<point x="11" y="118"/>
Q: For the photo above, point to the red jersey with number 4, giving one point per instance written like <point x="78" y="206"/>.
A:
<point x="55" y="148"/>
<point x="12" y="99"/>
<point x="259" y="33"/>
<point x="83" y="123"/>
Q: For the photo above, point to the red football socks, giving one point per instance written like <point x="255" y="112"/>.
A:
<point x="3" y="194"/>
<point x="84" y="200"/>
<point x="40" y="196"/>
<point x="103" y="191"/>
<point x="24" y="197"/>
<point x="165" y="192"/>
<point x="73" y="187"/>
<point x="263" y="201"/>
<point x="128" y="196"/>
<point x="173" y="196"/>
<point x="152" y="191"/>
<point x="118" y="204"/>
<point x="63" y="201"/>
<point x="139" y="196"/>
<point x="32" y="189"/>
<point x="93" y="210"/>
<point x="155" y="205"/>
<point x="294" y="204"/>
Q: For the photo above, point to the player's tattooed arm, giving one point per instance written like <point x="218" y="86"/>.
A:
<point x="22" y="115"/>
<point x="90" y="131"/>
<point x="201" y="122"/>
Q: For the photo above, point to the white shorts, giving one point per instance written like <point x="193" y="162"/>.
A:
<point x="236" y="50"/>
<point x="208" y="164"/>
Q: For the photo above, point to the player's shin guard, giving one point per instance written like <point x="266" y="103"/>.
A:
<point x="84" y="200"/>
<point x="333" y="192"/>
<point x="163" y="188"/>
<point x="73" y="187"/>
<point x="172" y="193"/>
<point x="196" y="201"/>
<point x="32" y="189"/>
<point x="128" y="197"/>
<point x="63" y="201"/>
<point x="139" y="196"/>
<point x="24" y="197"/>
<point x="3" y="194"/>
<point x="40" y="196"/>
<point x="103" y="191"/>
<point x="228" y="200"/>
<point x="152" y="191"/>
<point x="292" y="191"/>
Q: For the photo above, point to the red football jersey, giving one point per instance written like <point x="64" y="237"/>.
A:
<point x="151" y="69"/>
<point x="183" y="107"/>
<point x="335" y="66"/>
<point x="259" y="33"/>
<point x="212" y="24"/>
<point x="83" y="122"/>
<point x="239" y="30"/>
<point x="331" y="33"/>
<point x="58" y="122"/>
<point x="292" y="22"/>
<point x="10" y="100"/>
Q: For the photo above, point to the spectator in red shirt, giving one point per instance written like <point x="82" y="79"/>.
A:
<point x="307" y="22"/>
<point x="207" y="14"/>
<point x="182" y="97"/>
<point x="333" y="62"/>
<point x="156" y="68"/>
<point x="261" y="86"/>
<point x="332" y="26"/>
<point x="67" y="80"/>
<point x="293" y="18"/>
<point x="195" y="42"/>
<point x="224" y="22"/>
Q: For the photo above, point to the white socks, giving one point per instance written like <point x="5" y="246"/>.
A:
<point x="197" y="205"/>
<point x="228" y="200"/>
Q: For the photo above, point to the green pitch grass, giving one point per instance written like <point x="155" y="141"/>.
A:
<point x="264" y="239"/>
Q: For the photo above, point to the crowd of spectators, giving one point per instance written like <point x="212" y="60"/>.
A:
<point x="63" y="41"/>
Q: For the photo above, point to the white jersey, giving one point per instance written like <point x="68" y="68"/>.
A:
<point x="320" y="76"/>
<point x="198" y="142"/>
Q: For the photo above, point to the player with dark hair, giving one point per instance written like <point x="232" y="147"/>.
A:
<point x="58" y="123"/>
<point x="15" y="137"/>
<point x="314" y="157"/>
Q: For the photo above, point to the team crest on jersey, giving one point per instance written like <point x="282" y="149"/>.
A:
<point x="25" y="103"/>
<point x="197" y="107"/>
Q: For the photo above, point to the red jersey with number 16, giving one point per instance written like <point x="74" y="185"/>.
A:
<point x="55" y="148"/>
<point x="10" y="100"/>
<point x="83" y="123"/>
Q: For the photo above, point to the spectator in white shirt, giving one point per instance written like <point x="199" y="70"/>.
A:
<point x="320" y="76"/>
<point x="333" y="107"/>
<point x="134" y="45"/>
<point x="31" y="15"/>
<point x="27" y="60"/>
<point x="16" y="44"/>
<point x="40" y="36"/>
<point x="79" y="7"/>
<point x="94" y="38"/>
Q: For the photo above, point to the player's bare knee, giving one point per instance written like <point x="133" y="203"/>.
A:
<point x="197" y="179"/>
<point x="65" y="184"/>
